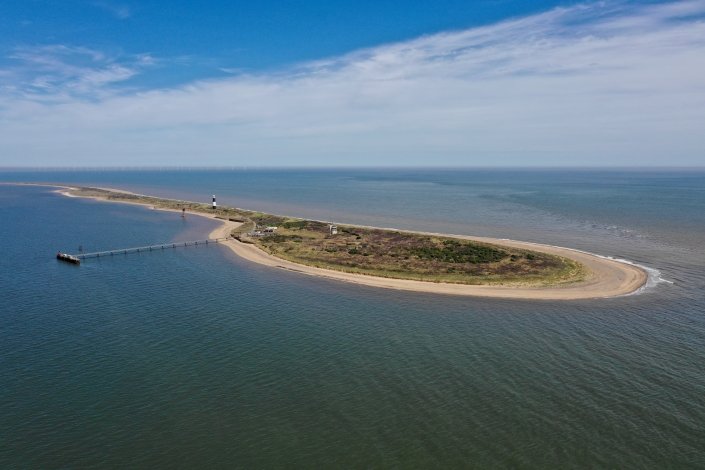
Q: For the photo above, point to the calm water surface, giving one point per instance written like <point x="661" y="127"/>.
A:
<point x="195" y="358"/>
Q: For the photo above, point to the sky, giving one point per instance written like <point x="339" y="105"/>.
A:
<point x="352" y="83"/>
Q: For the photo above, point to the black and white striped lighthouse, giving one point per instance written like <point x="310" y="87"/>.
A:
<point x="215" y="205"/>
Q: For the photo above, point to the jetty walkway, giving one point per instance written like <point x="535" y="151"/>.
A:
<point x="148" y="248"/>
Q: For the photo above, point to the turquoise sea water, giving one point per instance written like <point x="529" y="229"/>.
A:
<point x="193" y="358"/>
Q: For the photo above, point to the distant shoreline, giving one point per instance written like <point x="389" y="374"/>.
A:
<point x="605" y="277"/>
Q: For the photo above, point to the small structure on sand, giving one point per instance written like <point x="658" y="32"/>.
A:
<point x="215" y="205"/>
<point x="333" y="229"/>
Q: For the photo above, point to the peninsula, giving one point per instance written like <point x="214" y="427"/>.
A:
<point x="405" y="260"/>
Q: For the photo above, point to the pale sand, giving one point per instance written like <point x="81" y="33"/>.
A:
<point x="606" y="277"/>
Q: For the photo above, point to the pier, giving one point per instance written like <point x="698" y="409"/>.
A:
<point x="140" y="249"/>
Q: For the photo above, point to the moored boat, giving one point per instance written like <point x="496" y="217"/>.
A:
<point x="68" y="258"/>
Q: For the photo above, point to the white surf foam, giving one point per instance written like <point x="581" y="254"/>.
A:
<point x="653" y="276"/>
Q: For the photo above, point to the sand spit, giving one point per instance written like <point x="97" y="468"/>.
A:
<point x="606" y="277"/>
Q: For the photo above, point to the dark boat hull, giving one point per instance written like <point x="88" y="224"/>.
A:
<point x="68" y="258"/>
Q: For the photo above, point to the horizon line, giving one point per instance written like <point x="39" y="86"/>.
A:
<point x="336" y="167"/>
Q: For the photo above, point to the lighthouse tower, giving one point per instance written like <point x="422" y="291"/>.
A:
<point x="215" y="205"/>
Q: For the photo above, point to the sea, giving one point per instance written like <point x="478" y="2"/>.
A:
<point x="195" y="358"/>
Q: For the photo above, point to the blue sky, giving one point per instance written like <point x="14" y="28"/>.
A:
<point x="324" y="83"/>
<point x="196" y="41"/>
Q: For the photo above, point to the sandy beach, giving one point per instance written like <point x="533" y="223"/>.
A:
<point x="606" y="277"/>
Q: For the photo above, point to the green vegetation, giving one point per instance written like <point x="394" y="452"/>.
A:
<point x="378" y="252"/>
<point x="455" y="251"/>
<point x="407" y="255"/>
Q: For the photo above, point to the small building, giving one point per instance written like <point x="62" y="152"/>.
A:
<point x="270" y="229"/>
<point x="333" y="229"/>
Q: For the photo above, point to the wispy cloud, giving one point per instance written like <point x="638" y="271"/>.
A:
<point x="58" y="71"/>
<point x="119" y="11"/>
<point x="599" y="83"/>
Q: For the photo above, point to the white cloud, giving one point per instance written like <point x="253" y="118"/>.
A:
<point x="598" y="83"/>
<point x="58" y="72"/>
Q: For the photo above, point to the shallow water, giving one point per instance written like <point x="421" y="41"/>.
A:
<point x="195" y="358"/>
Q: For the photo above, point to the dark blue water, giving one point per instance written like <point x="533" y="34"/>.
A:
<point x="194" y="358"/>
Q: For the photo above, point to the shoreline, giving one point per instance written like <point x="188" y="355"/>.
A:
<point x="607" y="277"/>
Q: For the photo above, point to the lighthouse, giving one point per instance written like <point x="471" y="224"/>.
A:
<point x="215" y="205"/>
